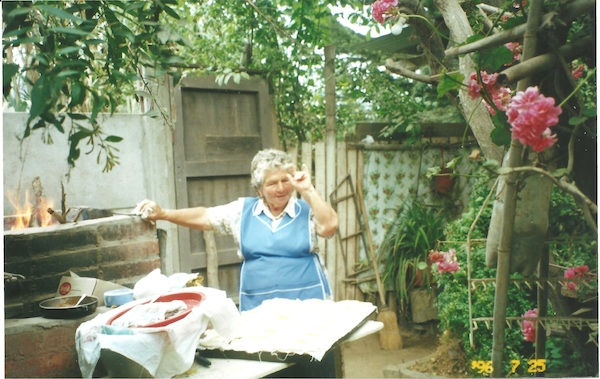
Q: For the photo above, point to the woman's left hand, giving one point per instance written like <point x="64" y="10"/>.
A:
<point x="300" y="179"/>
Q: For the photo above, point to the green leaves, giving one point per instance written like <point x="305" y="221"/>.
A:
<point x="501" y="134"/>
<point x="66" y="30"/>
<point x="449" y="82"/>
<point x="491" y="60"/>
<point x="9" y="70"/>
<point x="83" y="60"/>
<point x="41" y="97"/>
<point x="60" y="13"/>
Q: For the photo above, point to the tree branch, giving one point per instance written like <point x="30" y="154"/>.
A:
<point x="544" y="62"/>
<point x="572" y="10"/>
<point x="475" y="113"/>
<point x="397" y="68"/>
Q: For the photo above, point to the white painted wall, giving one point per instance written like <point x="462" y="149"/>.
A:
<point x="145" y="169"/>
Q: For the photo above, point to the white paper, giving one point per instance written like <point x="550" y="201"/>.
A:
<point x="306" y="327"/>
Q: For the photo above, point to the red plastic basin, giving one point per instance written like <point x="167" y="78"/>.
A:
<point x="191" y="300"/>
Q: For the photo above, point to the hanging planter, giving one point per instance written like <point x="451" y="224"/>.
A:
<point x="443" y="175"/>
<point x="444" y="180"/>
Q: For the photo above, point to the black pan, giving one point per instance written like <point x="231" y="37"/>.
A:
<point x="64" y="307"/>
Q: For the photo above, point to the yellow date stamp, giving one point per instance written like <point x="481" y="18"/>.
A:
<point x="533" y="365"/>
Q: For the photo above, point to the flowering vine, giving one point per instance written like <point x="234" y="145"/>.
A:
<point x="445" y="262"/>
<point x="584" y="290"/>
<point x="530" y="114"/>
<point x="383" y="10"/>
<point x="528" y="326"/>
<point x="575" y="272"/>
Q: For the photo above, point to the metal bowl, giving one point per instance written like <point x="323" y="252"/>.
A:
<point x="64" y="307"/>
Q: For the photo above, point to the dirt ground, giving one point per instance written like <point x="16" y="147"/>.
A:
<point x="424" y="355"/>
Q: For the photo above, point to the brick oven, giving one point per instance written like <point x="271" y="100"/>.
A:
<point x="118" y="248"/>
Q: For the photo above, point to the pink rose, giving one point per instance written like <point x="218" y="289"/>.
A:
<point x="575" y="272"/>
<point x="380" y="8"/>
<point x="531" y="114"/>
<point x="528" y="326"/>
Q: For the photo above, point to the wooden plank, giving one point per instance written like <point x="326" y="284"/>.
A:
<point x="320" y="187"/>
<point x="306" y="156"/>
<point x="216" y="168"/>
<point x="360" y="169"/>
<point x="225" y="257"/>
<point x="353" y="245"/>
<point x="293" y="153"/>
<point x="181" y="195"/>
<point x="231" y="148"/>
<point x="342" y="196"/>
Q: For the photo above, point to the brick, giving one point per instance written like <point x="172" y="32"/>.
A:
<point x="57" y="339"/>
<point x="42" y="348"/>
<point x="16" y="248"/>
<point x="63" y="240"/>
<point x="29" y="243"/>
<point x="129" y="269"/>
<point x="58" y="365"/>
<point x="130" y="251"/>
<point x="125" y="229"/>
<point x="65" y="261"/>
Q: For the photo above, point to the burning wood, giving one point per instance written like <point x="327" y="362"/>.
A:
<point x="38" y="216"/>
<point x="56" y="216"/>
<point x="41" y="212"/>
<point x="30" y="212"/>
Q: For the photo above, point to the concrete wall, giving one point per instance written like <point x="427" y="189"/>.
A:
<point x="145" y="169"/>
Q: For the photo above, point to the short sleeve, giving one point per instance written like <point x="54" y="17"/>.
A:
<point x="226" y="218"/>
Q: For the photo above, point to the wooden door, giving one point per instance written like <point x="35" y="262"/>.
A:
<point x="218" y="130"/>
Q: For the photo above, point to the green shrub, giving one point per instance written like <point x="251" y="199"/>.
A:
<point x="416" y="230"/>
<point x="574" y="245"/>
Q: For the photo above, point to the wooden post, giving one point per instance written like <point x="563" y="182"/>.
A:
<point x="330" y="151"/>
<point x="320" y="185"/>
<point x="510" y="203"/>
<point x="542" y="299"/>
<point x="212" y="260"/>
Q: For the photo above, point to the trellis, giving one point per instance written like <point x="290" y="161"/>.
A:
<point x="540" y="283"/>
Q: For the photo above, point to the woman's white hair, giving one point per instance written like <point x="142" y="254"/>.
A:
<point x="265" y="160"/>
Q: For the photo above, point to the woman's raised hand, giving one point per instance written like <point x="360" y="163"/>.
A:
<point x="301" y="179"/>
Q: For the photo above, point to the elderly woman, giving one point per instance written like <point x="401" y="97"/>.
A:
<point x="276" y="231"/>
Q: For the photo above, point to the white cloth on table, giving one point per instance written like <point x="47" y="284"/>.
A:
<point x="164" y="351"/>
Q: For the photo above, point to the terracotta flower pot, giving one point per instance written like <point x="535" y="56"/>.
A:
<point x="444" y="181"/>
<point x="424" y="278"/>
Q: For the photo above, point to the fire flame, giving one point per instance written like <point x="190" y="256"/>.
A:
<point x="24" y="211"/>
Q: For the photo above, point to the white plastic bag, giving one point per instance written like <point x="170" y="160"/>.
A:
<point x="156" y="283"/>
<point x="153" y="284"/>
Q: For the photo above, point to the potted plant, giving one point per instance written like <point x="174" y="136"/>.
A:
<point x="408" y="241"/>
<point x="443" y="176"/>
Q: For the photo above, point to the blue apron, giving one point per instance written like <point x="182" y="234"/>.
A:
<point x="278" y="262"/>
